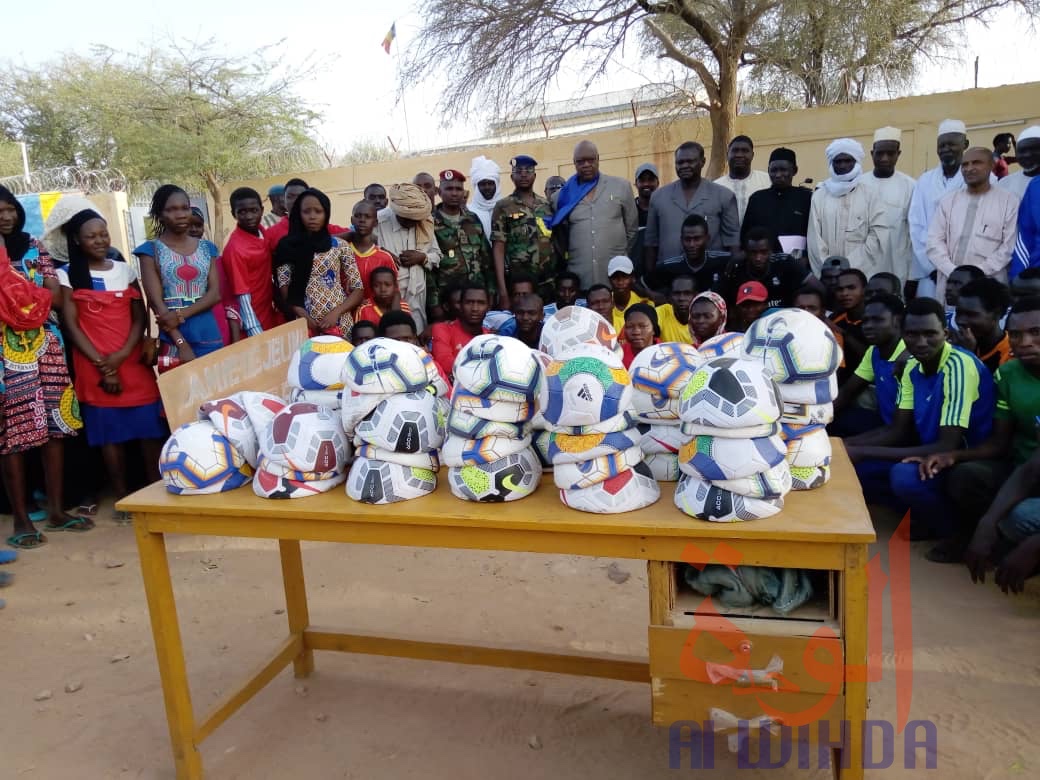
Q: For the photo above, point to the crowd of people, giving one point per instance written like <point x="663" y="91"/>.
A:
<point x="932" y="287"/>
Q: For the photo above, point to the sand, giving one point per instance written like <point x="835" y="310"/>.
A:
<point x="76" y="615"/>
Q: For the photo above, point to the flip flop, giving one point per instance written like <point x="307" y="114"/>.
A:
<point x="88" y="510"/>
<point x="6" y="578"/>
<point x="76" y="525"/>
<point x="8" y="556"/>
<point x="18" y="542"/>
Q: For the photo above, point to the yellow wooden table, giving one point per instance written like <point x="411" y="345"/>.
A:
<point x="827" y="529"/>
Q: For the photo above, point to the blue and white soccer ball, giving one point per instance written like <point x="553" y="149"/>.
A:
<point x="306" y="437"/>
<point x="458" y="452"/>
<point x="197" y="459"/>
<point x="588" y="385"/>
<point x="794" y="346"/>
<point x="811" y="450"/>
<point x="510" y="478"/>
<point x="573" y="326"/>
<point x="229" y="416"/>
<point x="469" y="426"/>
<point x="407" y="423"/>
<point x="774" y="483"/>
<point x="491" y="409"/>
<point x="380" y="482"/>
<point x="540" y="445"/>
<point x="659" y="374"/>
<point x="706" y="501"/>
<point x="586" y="473"/>
<point x="714" y="458"/>
<point x="318" y="363"/>
<point x="730" y="392"/>
<point x="720" y="345"/>
<point x="568" y="448"/>
<point x="383" y="365"/>
<point x="499" y="368"/>
<point x="630" y="490"/>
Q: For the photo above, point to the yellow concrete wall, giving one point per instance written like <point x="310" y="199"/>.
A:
<point x="807" y="131"/>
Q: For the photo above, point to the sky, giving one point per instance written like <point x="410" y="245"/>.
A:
<point x="355" y="87"/>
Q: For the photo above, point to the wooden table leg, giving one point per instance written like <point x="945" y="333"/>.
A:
<point x="155" y="569"/>
<point x="854" y="630"/>
<point x="296" y="602"/>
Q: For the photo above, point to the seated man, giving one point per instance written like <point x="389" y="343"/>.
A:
<point x="781" y="274"/>
<point x="707" y="268"/>
<point x="622" y="282"/>
<point x="568" y="290"/>
<point x="601" y="301"/>
<point x="674" y="316"/>
<point x="399" y="326"/>
<point x="382" y="281"/>
<point x="960" y="277"/>
<point x="366" y="331"/>
<point x="504" y="322"/>
<point x="814" y="300"/>
<point x="882" y="367"/>
<point x="946" y="400"/>
<point x="981" y="307"/>
<point x="450" y="337"/>
<point x="752" y="301"/>
<point x="849" y="297"/>
<point x="528" y="312"/>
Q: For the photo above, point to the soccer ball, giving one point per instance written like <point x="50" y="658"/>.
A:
<point x="729" y="392"/>
<point x="357" y="406"/>
<point x="588" y="385"/>
<point x="261" y="408"/>
<point x="813" y="449"/>
<point x="510" y="478"/>
<point x="806" y="414"/>
<point x="567" y="448"/>
<point x="330" y="399"/>
<point x="774" y="483"/>
<point x="469" y="426"/>
<point x="809" y="477"/>
<point x="458" y="452"/>
<point x="705" y="501"/>
<point x="753" y="432"/>
<point x="630" y="490"/>
<point x="305" y="437"/>
<point x="822" y="391"/>
<point x="659" y="373"/>
<point x="791" y="431"/>
<point x="383" y="365"/>
<point x="318" y="363"/>
<point x="433" y="374"/>
<point x="490" y="409"/>
<point x="278" y="470"/>
<point x="662" y="439"/>
<point x="380" y="482"/>
<point x="229" y="416"/>
<point x="621" y="422"/>
<point x="540" y="445"/>
<point x="664" y="466"/>
<point x="715" y="458"/>
<point x="573" y="326"/>
<point x="410" y="422"/>
<point x="197" y="459"/>
<point x="720" y="345"/>
<point x="794" y="346"/>
<point x="499" y="368"/>
<point x="267" y="484"/>
<point x="586" y="473"/>
<point x="421" y="460"/>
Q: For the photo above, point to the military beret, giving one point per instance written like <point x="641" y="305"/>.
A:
<point x="450" y="174"/>
<point x="523" y="161"/>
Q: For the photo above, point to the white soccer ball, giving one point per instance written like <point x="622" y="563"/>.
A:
<point x="811" y="450"/>
<point x="705" y="501"/>
<point x="383" y="365"/>
<point x="809" y="477"/>
<point x="720" y="345"/>
<point x="540" y="445"/>
<point x="774" y="483"/>
<point x="794" y="346"/>
<point x="420" y="460"/>
<point x="306" y="437"/>
<point x="197" y="459"/>
<point x="469" y="426"/>
<point x="357" y="406"/>
<point x="588" y="385"/>
<point x="510" y="478"/>
<point x="729" y="392"/>
<point x="261" y="408"/>
<point x="791" y="431"/>
<point x="498" y="367"/>
<point x="752" y="432"/>
<point x="663" y="439"/>
<point x="807" y="414"/>
<point x="664" y="466"/>
<point x="229" y="416"/>
<point x="659" y="374"/>
<point x="379" y="482"/>
<point x="271" y="485"/>
<point x="714" y="458"/>
<point x="491" y="409"/>
<point x="573" y="326"/>
<point x="458" y="452"/>
<point x="586" y="473"/>
<point x="565" y="448"/>
<point x="279" y="470"/>
<point x="318" y="363"/>
<point x="408" y="423"/>
<point x="330" y="399"/>
<point x="621" y="422"/>
<point x="628" y="491"/>
<point x="822" y="391"/>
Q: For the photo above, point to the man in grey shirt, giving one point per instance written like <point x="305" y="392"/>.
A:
<point x="599" y="214"/>
<point x="691" y="194"/>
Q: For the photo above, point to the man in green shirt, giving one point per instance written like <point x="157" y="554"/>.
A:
<point x="465" y="251"/>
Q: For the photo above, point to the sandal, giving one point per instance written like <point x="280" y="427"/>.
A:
<point x="19" y="540"/>
<point x="87" y="510"/>
<point x="73" y="524"/>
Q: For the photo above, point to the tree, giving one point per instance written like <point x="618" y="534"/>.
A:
<point x="505" y="56"/>
<point x="187" y="114"/>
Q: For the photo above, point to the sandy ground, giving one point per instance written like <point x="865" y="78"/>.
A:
<point x="73" y="613"/>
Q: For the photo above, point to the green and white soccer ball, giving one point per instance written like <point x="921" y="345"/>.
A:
<point x="729" y="392"/>
<point x="498" y="368"/>
<point x="565" y="448"/>
<point x="809" y="477"/>
<point x="510" y="478"/>
<point x="621" y="422"/>
<point x="588" y="385"/>
<point x="380" y="482"/>
<point x="586" y="473"/>
<point x="714" y="458"/>
<point x="706" y="501"/>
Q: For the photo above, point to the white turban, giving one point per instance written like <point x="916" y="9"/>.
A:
<point x="1030" y="133"/>
<point x="952" y="126"/>
<point x="841" y="185"/>
<point x="483" y="169"/>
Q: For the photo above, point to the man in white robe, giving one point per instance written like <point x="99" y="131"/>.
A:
<point x="895" y="189"/>
<point x="484" y="172"/>
<point x="1027" y="152"/>
<point x="847" y="217"/>
<point x="976" y="225"/>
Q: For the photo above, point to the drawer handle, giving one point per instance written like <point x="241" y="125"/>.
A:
<point x="724" y="721"/>
<point x="746" y="678"/>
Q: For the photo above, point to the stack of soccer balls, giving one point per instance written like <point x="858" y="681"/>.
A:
<point x="733" y="464"/>
<point x="392" y="409"/>
<point x="594" y="439"/>
<point x="304" y="452"/>
<point x="802" y="355"/>
<point x="316" y="371"/>
<point x="659" y="374"/>
<point x="488" y="448"/>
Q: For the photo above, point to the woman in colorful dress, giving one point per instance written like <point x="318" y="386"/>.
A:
<point x="37" y="405"/>
<point x="106" y="320"/>
<point x="317" y="273"/>
<point x="182" y="282"/>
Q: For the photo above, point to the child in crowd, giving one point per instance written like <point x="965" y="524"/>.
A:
<point x="620" y="272"/>
<point x="504" y="322"/>
<point x="981" y="307"/>
<point x="364" y="331"/>
<point x="568" y="288"/>
<point x="247" y="260"/>
<point x="367" y="254"/>
<point x="398" y="326"/>
<point x="849" y="295"/>
<point x="601" y="301"/>
<point x="317" y="272"/>
<point x="382" y="283"/>
<point x="674" y="316"/>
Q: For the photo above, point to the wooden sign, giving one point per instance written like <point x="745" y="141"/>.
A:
<point x="257" y="363"/>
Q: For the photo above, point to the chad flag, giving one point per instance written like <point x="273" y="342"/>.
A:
<point x="390" y="35"/>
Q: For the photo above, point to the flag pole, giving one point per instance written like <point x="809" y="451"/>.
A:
<point x="404" y="105"/>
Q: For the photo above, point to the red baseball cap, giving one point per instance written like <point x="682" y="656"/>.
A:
<point x="752" y="291"/>
<point x="450" y="174"/>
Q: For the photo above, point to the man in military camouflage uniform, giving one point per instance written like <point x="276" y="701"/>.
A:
<point x="465" y="251"/>
<point x="520" y="240"/>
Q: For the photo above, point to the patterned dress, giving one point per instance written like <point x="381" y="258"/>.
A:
<point x="334" y="276"/>
<point x="35" y="392"/>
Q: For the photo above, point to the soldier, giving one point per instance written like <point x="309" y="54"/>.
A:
<point x="520" y="237"/>
<point x="465" y="251"/>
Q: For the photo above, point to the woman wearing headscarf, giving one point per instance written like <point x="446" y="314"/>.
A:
<point x="107" y="324"/>
<point x="847" y="215"/>
<point x="316" y="272"/>
<point x="707" y="317"/>
<point x="641" y="330"/>
<point x="486" y="177"/>
<point x="37" y="406"/>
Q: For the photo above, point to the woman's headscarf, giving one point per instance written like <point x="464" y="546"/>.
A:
<point x="841" y="185"/>
<point x="483" y="169"/>
<point x="408" y="201"/>
<point x="299" y="246"/>
<point x="79" y="265"/>
<point x="55" y="238"/>
<point x="18" y="242"/>
<point x="719" y="303"/>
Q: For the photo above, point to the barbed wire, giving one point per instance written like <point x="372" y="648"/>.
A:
<point x="67" y="178"/>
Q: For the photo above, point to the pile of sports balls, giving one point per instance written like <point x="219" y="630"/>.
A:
<point x="594" y="439"/>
